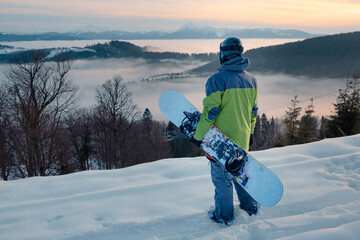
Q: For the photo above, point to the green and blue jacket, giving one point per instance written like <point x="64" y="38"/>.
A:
<point x="230" y="103"/>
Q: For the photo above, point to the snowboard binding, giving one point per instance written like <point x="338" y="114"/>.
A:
<point x="236" y="162"/>
<point x="189" y="123"/>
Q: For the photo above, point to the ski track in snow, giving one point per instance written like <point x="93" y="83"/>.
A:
<point x="169" y="199"/>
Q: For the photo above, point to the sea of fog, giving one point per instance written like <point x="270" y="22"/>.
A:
<point x="275" y="93"/>
<point x="275" y="90"/>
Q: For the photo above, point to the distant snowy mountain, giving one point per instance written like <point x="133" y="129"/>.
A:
<point x="198" y="28"/>
<point x="91" y="28"/>
<point x="192" y="31"/>
<point x="188" y="31"/>
<point x="169" y="199"/>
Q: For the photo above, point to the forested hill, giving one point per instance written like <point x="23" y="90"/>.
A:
<point x="328" y="56"/>
<point x="111" y="49"/>
<point x="333" y="56"/>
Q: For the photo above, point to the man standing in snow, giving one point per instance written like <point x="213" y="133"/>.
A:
<point x="231" y="105"/>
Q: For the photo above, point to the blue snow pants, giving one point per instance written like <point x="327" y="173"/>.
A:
<point x="223" y="183"/>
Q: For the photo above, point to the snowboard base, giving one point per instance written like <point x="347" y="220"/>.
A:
<point x="260" y="182"/>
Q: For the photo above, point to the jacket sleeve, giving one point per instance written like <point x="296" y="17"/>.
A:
<point x="254" y="112"/>
<point x="211" y="107"/>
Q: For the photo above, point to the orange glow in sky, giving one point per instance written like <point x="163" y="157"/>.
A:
<point x="267" y="13"/>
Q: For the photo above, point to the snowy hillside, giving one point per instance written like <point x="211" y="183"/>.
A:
<point x="169" y="199"/>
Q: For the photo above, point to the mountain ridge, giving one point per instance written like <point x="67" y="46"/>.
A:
<point x="188" y="31"/>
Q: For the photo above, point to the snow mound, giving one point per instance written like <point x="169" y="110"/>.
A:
<point x="169" y="199"/>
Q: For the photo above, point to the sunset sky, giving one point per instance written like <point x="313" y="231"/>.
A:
<point x="314" y="16"/>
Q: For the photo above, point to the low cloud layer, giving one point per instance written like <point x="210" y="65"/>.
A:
<point x="275" y="91"/>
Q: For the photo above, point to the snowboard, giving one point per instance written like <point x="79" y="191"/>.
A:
<point x="263" y="185"/>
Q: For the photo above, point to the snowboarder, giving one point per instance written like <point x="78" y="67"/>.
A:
<point x="231" y="105"/>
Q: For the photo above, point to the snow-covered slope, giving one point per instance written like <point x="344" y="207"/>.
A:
<point x="169" y="199"/>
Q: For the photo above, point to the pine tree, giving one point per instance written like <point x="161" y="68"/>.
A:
<point x="264" y="126"/>
<point x="264" y="123"/>
<point x="265" y="133"/>
<point x="308" y="129"/>
<point x="346" y="120"/>
<point x="256" y="136"/>
<point x="323" y="127"/>
<point x="147" y="122"/>
<point x="292" y="122"/>
<point x="271" y="133"/>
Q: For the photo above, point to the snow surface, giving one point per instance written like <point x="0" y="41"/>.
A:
<point x="169" y="199"/>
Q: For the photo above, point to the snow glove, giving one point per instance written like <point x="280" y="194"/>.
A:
<point x="196" y="142"/>
<point x="251" y="141"/>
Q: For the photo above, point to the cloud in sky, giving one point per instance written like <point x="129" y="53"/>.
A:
<point x="140" y="15"/>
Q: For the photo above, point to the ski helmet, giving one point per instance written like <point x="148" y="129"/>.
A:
<point x="230" y="48"/>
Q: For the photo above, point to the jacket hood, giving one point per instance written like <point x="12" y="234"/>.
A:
<point x="237" y="64"/>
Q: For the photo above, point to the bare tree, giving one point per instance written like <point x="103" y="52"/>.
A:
<point x="114" y="115"/>
<point x="79" y="126"/>
<point x="161" y="148"/>
<point x="40" y="93"/>
<point x="149" y="144"/>
<point x="6" y="157"/>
